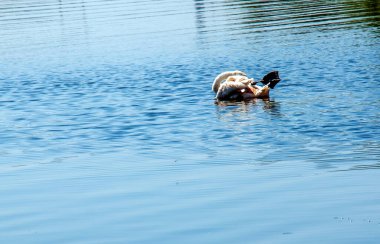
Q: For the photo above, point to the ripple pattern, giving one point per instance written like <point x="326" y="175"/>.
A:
<point x="109" y="131"/>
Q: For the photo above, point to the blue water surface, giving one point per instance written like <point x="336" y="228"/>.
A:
<point x="109" y="131"/>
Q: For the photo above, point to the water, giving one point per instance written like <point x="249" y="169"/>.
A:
<point x="109" y="132"/>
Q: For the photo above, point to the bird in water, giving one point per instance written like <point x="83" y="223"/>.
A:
<point x="236" y="86"/>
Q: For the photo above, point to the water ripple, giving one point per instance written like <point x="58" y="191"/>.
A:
<point x="109" y="130"/>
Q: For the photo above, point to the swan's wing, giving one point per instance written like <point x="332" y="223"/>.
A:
<point x="223" y="76"/>
<point x="229" y="87"/>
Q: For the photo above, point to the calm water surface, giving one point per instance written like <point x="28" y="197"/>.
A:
<point x="109" y="132"/>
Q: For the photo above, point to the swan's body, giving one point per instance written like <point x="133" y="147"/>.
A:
<point x="237" y="86"/>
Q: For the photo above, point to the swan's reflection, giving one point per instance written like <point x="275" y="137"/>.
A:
<point x="247" y="109"/>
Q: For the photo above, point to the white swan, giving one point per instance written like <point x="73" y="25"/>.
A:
<point x="237" y="86"/>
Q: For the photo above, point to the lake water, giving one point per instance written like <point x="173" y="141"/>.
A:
<point x="109" y="132"/>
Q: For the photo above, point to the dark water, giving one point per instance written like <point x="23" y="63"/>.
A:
<point x="109" y="132"/>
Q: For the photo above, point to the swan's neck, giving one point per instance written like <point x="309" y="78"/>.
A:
<point x="218" y="80"/>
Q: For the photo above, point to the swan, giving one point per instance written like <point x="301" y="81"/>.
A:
<point x="237" y="86"/>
